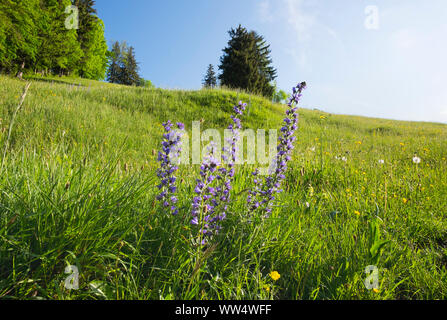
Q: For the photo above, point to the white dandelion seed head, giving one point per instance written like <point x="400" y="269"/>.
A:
<point x="416" y="159"/>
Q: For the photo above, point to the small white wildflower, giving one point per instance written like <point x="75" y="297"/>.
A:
<point x="416" y="159"/>
<point x="344" y="159"/>
<point x="381" y="161"/>
<point x="307" y="204"/>
<point x="312" y="149"/>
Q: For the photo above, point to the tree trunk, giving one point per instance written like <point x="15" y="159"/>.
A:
<point x="20" y="72"/>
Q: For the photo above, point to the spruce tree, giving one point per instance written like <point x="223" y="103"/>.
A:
<point x="246" y="63"/>
<point x="210" y="80"/>
<point x="129" y="70"/>
<point x="123" y="68"/>
<point x="116" y="60"/>
<point x="266" y="73"/>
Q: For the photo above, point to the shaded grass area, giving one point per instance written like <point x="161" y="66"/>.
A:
<point x="78" y="188"/>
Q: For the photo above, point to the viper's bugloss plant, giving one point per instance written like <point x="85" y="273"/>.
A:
<point x="210" y="205"/>
<point x="169" y="159"/>
<point x="229" y="155"/>
<point x="262" y="195"/>
<point x="205" y="205"/>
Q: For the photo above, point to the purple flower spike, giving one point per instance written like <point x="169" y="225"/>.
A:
<point x="169" y="158"/>
<point x="213" y="189"/>
<point x="261" y="196"/>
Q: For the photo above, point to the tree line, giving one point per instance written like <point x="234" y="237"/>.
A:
<point x="37" y="36"/>
<point x="66" y="37"/>
<point x="62" y="37"/>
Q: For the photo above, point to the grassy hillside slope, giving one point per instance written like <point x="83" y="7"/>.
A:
<point x="78" y="188"/>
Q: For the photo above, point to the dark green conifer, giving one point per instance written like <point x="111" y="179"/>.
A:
<point x="246" y="63"/>
<point x="129" y="69"/>
<point x="116" y="60"/>
<point x="210" y="80"/>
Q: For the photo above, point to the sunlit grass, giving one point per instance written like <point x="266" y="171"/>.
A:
<point x="78" y="188"/>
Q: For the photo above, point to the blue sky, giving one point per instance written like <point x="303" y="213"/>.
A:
<point x="393" y="67"/>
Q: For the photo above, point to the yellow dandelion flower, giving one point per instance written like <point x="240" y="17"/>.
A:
<point x="402" y="144"/>
<point x="404" y="200"/>
<point x="275" y="275"/>
<point x="376" y="290"/>
<point x="357" y="213"/>
<point x="358" y="142"/>
<point x="267" y="288"/>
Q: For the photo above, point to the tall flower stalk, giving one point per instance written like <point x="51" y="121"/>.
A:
<point x="210" y="205"/>
<point x="169" y="159"/>
<point x="262" y="196"/>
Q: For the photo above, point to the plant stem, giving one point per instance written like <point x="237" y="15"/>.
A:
<point x="22" y="99"/>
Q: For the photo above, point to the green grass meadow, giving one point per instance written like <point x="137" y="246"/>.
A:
<point x="78" y="187"/>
